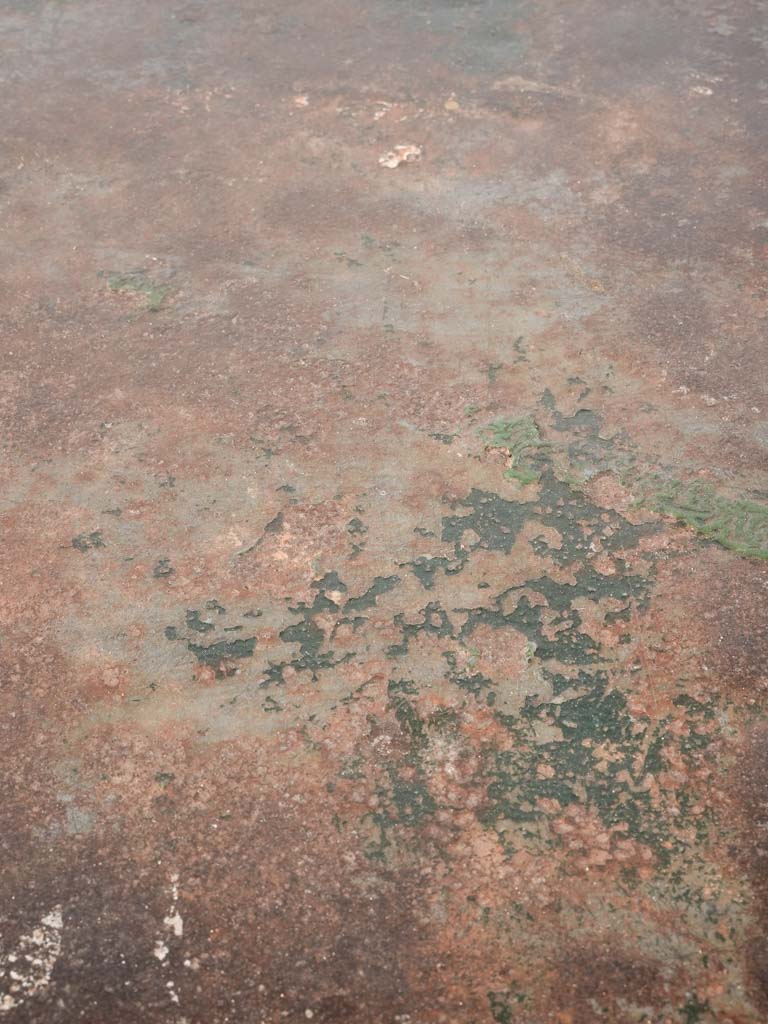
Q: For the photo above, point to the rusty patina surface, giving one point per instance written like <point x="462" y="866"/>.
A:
<point x="383" y="610"/>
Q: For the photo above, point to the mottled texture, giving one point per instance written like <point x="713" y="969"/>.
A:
<point x="384" y="605"/>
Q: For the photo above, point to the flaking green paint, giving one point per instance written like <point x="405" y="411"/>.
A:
<point x="138" y="283"/>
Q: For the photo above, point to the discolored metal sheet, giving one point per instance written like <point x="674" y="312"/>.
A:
<point x="384" y="512"/>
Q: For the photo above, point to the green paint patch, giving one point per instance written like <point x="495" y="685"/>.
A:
<point x="494" y="519"/>
<point x="493" y="370"/>
<point x="497" y="522"/>
<point x="425" y="569"/>
<point x="573" y="769"/>
<point x="519" y="347"/>
<point x="309" y="635"/>
<point x="381" y="585"/>
<point x="404" y="798"/>
<point x="476" y="684"/>
<point x="350" y="261"/>
<point x="406" y="803"/>
<point x="88" y="541"/>
<point x="694" y="1011"/>
<point x="194" y="622"/>
<point x="138" y="283"/>
<point x="434" y="620"/>
<point x="565" y="738"/>
<point x="217" y="655"/>
<point x="561" y="732"/>
<point x="357" y="531"/>
<point x="275" y="525"/>
<point x="502" y="1006"/>
<point x="410" y="721"/>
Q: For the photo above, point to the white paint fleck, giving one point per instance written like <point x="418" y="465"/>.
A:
<point x="173" y="919"/>
<point x="407" y="154"/>
<point x="173" y="926"/>
<point x="33" y="962"/>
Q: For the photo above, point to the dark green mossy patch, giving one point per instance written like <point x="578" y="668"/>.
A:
<point x="735" y="523"/>
<point x="137" y="282"/>
<point x="521" y="440"/>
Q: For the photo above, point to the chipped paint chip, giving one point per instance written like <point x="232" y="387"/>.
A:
<point x="401" y="155"/>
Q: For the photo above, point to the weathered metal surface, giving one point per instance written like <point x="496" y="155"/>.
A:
<point x="383" y="612"/>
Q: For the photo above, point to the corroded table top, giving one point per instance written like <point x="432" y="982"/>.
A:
<point x="384" y="510"/>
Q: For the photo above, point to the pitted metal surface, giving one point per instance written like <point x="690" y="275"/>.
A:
<point x="384" y="512"/>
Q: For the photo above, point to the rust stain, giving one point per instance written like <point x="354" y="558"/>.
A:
<point x="383" y="604"/>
